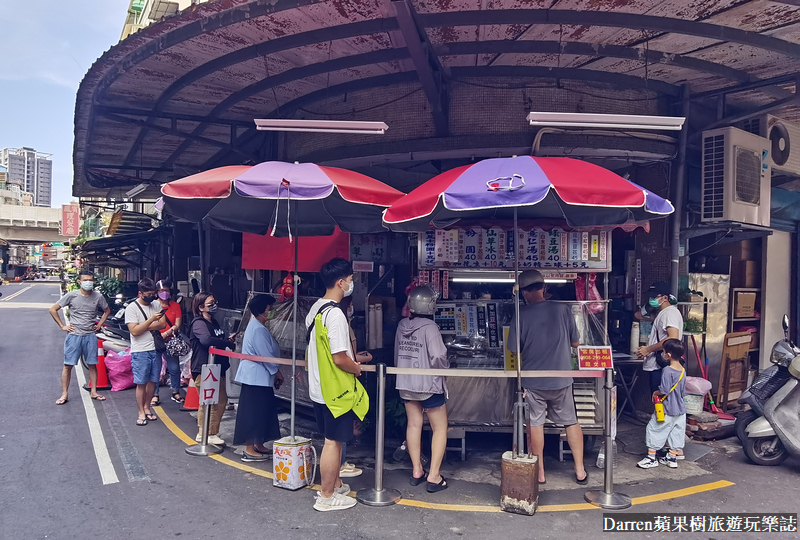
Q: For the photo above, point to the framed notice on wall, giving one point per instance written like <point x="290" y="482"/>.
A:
<point x="480" y="248"/>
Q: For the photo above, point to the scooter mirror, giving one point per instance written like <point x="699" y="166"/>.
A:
<point x="785" y="323"/>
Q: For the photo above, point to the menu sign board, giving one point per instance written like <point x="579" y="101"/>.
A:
<point x="480" y="248"/>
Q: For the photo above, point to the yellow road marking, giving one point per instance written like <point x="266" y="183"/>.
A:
<point x="682" y="492"/>
<point x="685" y="492"/>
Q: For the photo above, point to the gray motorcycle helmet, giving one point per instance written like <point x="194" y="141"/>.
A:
<point x="422" y="300"/>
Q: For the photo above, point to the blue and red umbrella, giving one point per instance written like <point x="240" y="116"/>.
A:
<point x="302" y="199"/>
<point x="552" y="189"/>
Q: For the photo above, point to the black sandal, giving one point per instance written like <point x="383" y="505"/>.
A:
<point x="177" y="397"/>
<point x="441" y="485"/>
<point x="155" y="402"/>
<point x="418" y="481"/>
<point x="141" y="422"/>
<point x="583" y="481"/>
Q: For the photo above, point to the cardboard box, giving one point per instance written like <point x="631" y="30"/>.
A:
<point x="746" y="250"/>
<point x="750" y="272"/>
<point x="745" y="305"/>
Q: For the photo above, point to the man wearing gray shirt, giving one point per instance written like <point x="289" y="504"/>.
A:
<point x="547" y="335"/>
<point x="83" y="306"/>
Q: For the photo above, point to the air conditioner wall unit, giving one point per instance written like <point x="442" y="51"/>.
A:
<point x="736" y="177"/>
<point x="784" y="142"/>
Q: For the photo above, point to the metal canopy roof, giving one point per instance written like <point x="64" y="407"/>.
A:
<point x="180" y="96"/>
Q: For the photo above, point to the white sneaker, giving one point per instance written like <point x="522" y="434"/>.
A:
<point x="647" y="463"/>
<point x="344" y="489"/>
<point x="215" y="439"/>
<point x="337" y="501"/>
<point x="349" y="470"/>
<point x="199" y="437"/>
<point x="672" y="463"/>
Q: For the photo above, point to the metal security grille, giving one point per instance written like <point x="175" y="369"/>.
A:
<point x="747" y="176"/>
<point x="713" y="177"/>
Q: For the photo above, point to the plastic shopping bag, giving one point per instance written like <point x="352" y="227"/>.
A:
<point x="120" y="373"/>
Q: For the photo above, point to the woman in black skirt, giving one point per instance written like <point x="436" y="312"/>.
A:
<point x="257" y="417"/>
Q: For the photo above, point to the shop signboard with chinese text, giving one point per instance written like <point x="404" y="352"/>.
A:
<point x="479" y="248"/>
<point x="594" y="358"/>
<point x="369" y="247"/>
<point x="70" y="220"/>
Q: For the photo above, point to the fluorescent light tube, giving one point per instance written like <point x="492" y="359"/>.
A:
<point x="481" y="280"/>
<point x="606" y="121"/>
<point x="322" y="126"/>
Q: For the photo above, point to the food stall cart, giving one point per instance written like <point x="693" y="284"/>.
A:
<point x="457" y="261"/>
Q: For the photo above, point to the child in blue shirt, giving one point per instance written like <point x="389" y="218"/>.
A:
<point x="672" y="429"/>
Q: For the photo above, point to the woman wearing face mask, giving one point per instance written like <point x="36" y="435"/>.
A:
<point x="667" y="324"/>
<point x="173" y="321"/>
<point x="257" y="417"/>
<point x="206" y="333"/>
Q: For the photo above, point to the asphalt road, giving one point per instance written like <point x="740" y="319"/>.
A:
<point x="51" y="484"/>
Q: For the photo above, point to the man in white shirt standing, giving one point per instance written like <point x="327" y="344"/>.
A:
<point x="337" y="276"/>
<point x="667" y="324"/>
<point x="144" y="316"/>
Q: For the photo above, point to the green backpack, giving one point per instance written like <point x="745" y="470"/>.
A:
<point x="341" y="391"/>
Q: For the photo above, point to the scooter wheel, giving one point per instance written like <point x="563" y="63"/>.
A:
<point x="743" y="420"/>
<point x="759" y="452"/>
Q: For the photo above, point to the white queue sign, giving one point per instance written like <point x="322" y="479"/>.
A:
<point x="209" y="384"/>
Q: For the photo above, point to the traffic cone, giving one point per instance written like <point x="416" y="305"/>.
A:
<point x="192" y="400"/>
<point x="102" y="372"/>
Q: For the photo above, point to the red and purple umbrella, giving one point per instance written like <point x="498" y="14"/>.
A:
<point x="301" y="199"/>
<point x="551" y="189"/>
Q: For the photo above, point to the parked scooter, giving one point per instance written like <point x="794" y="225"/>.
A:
<point x="775" y="436"/>
<point x="115" y="327"/>
<point x="767" y="382"/>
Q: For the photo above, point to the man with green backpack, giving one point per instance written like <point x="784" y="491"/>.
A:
<point x="338" y="396"/>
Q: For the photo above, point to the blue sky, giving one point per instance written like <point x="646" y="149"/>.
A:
<point x="48" y="46"/>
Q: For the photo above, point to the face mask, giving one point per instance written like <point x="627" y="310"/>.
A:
<point x="148" y="299"/>
<point x="212" y="308"/>
<point x="87" y="285"/>
<point x="349" y="291"/>
<point x="654" y="302"/>
<point x="164" y="295"/>
<point x="271" y="314"/>
<point x="350" y="312"/>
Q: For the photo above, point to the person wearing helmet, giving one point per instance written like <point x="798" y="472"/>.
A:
<point x="547" y="334"/>
<point x="418" y="344"/>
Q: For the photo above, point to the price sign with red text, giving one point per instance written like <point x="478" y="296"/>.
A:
<point x="592" y="358"/>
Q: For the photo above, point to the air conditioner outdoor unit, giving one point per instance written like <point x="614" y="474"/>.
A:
<point x="784" y="142"/>
<point x="736" y="177"/>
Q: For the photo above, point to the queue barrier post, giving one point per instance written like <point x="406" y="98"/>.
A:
<point x="378" y="495"/>
<point x="607" y="498"/>
<point x="204" y="449"/>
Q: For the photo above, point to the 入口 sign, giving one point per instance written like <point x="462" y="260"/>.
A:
<point x="209" y="384"/>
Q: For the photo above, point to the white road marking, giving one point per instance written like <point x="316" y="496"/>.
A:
<point x="107" y="472"/>
<point x="30" y="305"/>
<point x="19" y="292"/>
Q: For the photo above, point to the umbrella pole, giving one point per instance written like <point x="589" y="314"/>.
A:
<point x="519" y="410"/>
<point x="295" y="284"/>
